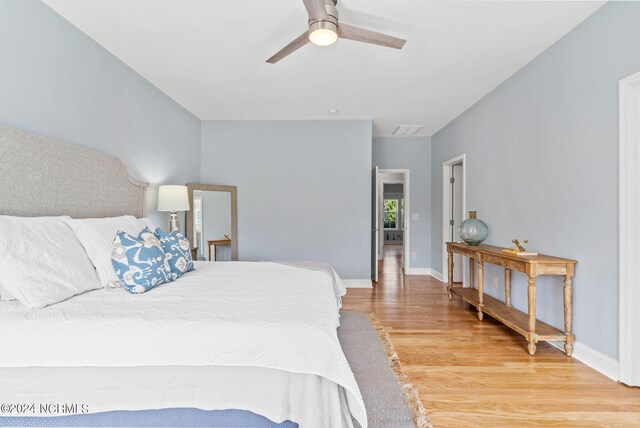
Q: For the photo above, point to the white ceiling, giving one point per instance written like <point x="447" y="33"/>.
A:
<point x="209" y="55"/>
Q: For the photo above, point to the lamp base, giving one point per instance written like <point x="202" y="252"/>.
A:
<point x="174" y="224"/>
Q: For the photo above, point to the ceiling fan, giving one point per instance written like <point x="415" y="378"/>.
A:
<point x="324" y="30"/>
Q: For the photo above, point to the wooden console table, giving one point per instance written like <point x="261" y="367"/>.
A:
<point x="532" y="266"/>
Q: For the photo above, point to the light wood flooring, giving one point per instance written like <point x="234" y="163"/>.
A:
<point x="478" y="374"/>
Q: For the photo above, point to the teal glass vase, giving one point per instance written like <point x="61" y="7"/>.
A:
<point x="473" y="230"/>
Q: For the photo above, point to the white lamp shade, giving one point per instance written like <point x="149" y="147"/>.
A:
<point x="173" y="198"/>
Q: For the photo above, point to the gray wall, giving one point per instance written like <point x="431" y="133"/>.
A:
<point x="413" y="153"/>
<point x="304" y="188"/>
<point x="542" y="164"/>
<point x="56" y="81"/>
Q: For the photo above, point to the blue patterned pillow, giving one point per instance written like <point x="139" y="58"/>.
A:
<point x="140" y="262"/>
<point x="178" y="250"/>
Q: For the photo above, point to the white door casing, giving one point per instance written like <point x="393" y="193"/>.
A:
<point x="406" y="238"/>
<point x="629" y="232"/>
<point x="374" y="224"/>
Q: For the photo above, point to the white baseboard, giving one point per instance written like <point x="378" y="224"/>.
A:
<point x="418" y="271"/>
<point x="594" y="359"/>
<point x="357" y="283"/>
<point x="437" y="275"/>
<point x="425" y="271"/>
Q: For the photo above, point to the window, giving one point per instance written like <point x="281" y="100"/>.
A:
<point x="394" y="213"/>
<point x="391" y="213"/>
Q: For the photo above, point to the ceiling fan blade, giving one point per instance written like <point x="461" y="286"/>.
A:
<point x="316" y="9"/>
<point x="302" y="40"/>
<point x="361" y="35"/>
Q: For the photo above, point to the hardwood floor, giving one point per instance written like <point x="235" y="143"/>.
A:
<point x="478" y="374"/>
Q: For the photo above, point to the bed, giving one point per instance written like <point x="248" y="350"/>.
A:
<point x="229" y="344"/>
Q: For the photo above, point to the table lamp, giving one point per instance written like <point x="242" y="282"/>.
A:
<point x="173" y="198"/>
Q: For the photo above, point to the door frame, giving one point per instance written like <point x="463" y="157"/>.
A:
<point x="375" y="214"/>
<point x="446" y="204"/>
<point x="629" y="230"/>
<point x="406" y="191"/>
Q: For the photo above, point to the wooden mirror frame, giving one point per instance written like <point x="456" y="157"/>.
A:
<point x="234" y="212"/>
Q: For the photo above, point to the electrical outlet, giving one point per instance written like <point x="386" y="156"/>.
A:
<point x="495" y="282"/>
<point x="414" y="256"/>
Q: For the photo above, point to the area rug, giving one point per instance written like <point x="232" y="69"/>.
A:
<point x="391" y="401"/>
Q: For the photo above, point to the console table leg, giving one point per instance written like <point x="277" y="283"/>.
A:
<point x="507" y="286"/>
<point x="449" y="272"/>
<point x="480" y="288"/>
<point x="531" y="336"/>
<point x="472" y="268"/>
<point x="568" y="309"/>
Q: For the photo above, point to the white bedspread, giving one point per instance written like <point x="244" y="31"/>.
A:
<point x="274" y="394"/>
<point x="234" y="314"/>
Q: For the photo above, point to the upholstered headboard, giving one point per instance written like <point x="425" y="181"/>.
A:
<point x="40" y="176"/>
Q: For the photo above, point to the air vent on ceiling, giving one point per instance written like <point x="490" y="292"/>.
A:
<point x="407" y="129"/>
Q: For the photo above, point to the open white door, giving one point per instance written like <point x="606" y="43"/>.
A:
<point x="374" y="224"/>
<point x="453" y="208"/>
<point x="457" y="216"/>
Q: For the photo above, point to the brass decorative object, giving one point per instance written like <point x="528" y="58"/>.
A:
<point x="519" y="249"/>
<point x="519" y="246"/>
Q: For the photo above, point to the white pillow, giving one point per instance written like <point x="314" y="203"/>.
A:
<point x="42" y="262"/>
<point x="96" y="236"/>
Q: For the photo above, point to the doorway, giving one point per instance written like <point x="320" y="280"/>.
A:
<point x="453" y="212"/>
<point x="391" y="202"/>
<point x="392" y="239"/>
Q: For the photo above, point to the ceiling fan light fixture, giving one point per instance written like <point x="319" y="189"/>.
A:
<point x="323" y="33"/>
<point x="324" y="30"/>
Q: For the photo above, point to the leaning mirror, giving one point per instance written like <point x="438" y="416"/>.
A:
<point x="212" y="223"/>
